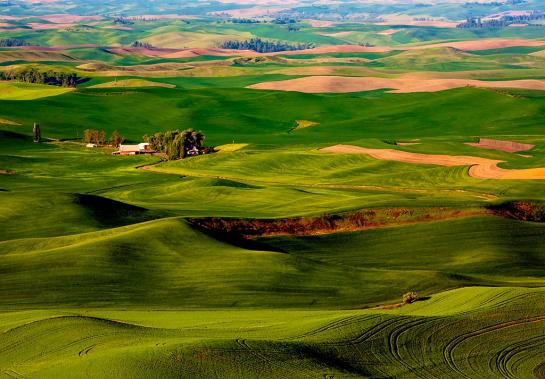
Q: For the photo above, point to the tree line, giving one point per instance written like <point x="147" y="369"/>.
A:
<point x="13" y="42"/>
<point x="477" y="22"/>
<point x="261" y="46"/>
<point x="33" y="75"/>
<point x="98" y="137"/>
<point x="123" y="21"/>
<point x="245" y="21"/>
<point x="140" y="44"/>
<point x="175" y="144"/>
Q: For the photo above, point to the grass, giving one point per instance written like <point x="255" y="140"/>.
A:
<point x="102" y="275"/>
<point x="25" y="91"/>
<point x="174" y="266"/>
<point x="297" y="344"/>
<point x="244" y="115"/>
<point x="132" y="83"/>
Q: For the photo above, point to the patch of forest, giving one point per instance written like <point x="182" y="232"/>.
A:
<point x="263" y="46"/>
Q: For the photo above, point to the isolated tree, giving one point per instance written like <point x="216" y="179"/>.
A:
<point x="410" y="297"/>
<point x="116" y="139"/>
<point x="36" y="132"/>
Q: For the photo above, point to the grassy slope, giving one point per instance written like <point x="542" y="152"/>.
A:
<point x="173" y="266"/>
<point x="25" y="91"/>
<point x="460" y="333"/>
<point x="246" y="115"/>
<point x="92" y="257"/>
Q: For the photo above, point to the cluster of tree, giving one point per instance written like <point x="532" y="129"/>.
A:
<point x="176" y="144"/>
<point x="261" y="46"/>
<point x="141" y="44"/>
<point x="366" y="44"/>
<point x="98" y="137"/>
<point x="477" y="22"/>
<point x="245" y="21"/>
<point x="284" y="21"/>
<point x="13" y="42"/>
<point x="33" y="75"/>
<point x="123" y="21"/>
<point x="536" y="15"/>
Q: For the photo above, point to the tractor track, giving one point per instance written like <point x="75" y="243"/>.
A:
<point x="337" y="324"/>
<point x="450" y="347"/>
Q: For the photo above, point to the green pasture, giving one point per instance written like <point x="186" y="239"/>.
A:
<point x="467" y="332"/>
<point x="247" y="116"/>
<point x="102" y="274"/>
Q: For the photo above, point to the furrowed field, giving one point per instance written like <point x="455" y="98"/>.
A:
<point x="286" y="253"/>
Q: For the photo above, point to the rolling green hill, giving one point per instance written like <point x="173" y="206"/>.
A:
<point x="269" y="258"/>
<point x="479" y="332"/>
<point x="244" y="115"/>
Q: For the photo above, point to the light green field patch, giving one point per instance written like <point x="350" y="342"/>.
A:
<point x="26" y="91"/>
<point x="231" y="147"/>
<point x="182" y="39"/>
<point x="8" y="122"/>
<point x="302" y="124"/>
<point x="132" y="83"/>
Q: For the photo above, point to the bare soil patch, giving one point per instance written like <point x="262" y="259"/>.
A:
<point x="179" y="53"/>
<point x="320" y="23"/>
<point x="484" y="44"/>
<point x="55" y="48"/>
<point x="326" y="60"/>
<point x="325" y="71"/>
<point x="345" y="84"/>
<point x="151" y="17"/>
<point x="338" y="49"/>
<point x="405" y="20"/>
<point x="38" y="26"/>
<point x="482" y="168"/>
<point x="133" y="83"/>
<point x="389" y="32"/>
<point x="117" y="27"/>
<point x="407" y="143"/>
<point x="69" y="18"/>
<point x="345" y="222"/>
<point x="508" y="146"/>
<point x="337" y="34"/>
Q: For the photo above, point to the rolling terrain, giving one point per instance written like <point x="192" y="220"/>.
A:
<point x="286" y="253"/>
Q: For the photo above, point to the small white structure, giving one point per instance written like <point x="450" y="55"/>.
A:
<point x="141" y="148"/>
<point x="91" y="145"/>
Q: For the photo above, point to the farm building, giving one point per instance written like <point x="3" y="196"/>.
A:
<point x="141" y="148"/>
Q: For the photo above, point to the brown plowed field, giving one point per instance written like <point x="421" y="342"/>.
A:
<point x="508" y="146"/>
<point x="345" y="84"/>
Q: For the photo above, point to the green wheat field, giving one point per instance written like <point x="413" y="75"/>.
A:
<point x="349" y="154"/>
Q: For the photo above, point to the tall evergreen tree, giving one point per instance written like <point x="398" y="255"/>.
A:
<point x="36" y="132"/>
